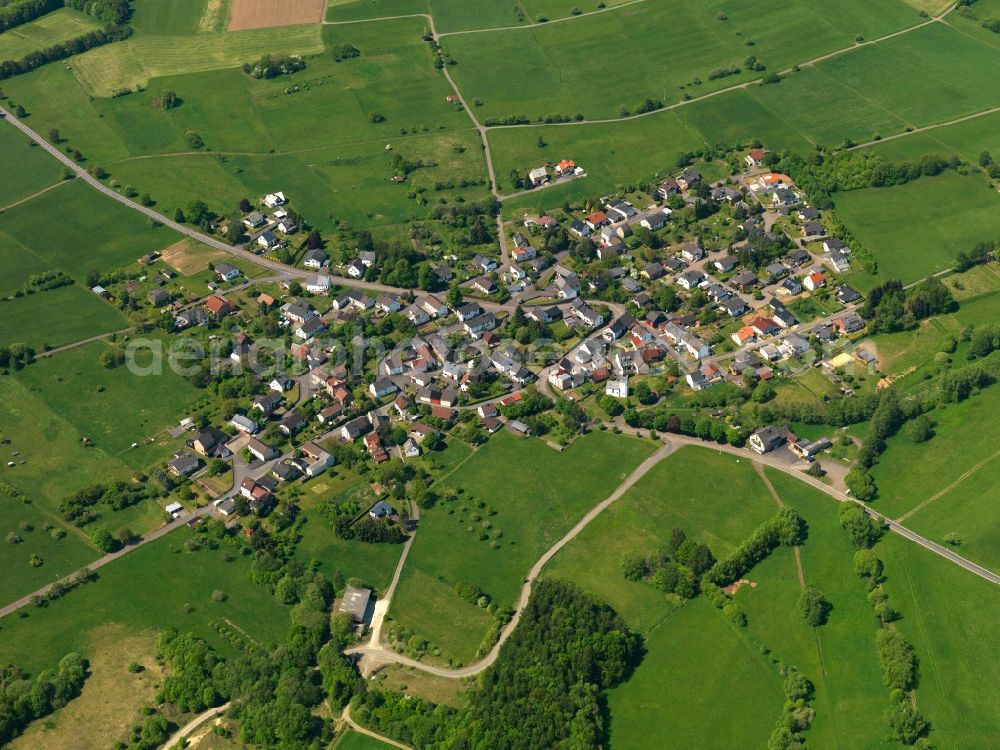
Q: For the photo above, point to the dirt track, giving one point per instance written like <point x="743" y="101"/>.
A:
<point x="262" y="14"/>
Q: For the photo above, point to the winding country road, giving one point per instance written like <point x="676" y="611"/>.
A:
<point x="377" y="653"/>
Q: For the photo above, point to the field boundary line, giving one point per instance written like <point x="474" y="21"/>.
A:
<point x="536" y="25"/>
<point x="925" y="128"/>
<point x="35" y="195"/>
<point x="961" y="478"/>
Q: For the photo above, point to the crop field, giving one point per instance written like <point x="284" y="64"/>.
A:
<point x="694" y="661"/>
<point x="113" y="407"/>
<point x="122" y="595"/>
<point x="170" y="17"/>
<point x="949" y="616"/>
<point x="60" y="556"/>
<point x="36" y="169"/>
<point x="672" y="494"/>
<point x="493" y="546"/>
<point x="52" y="28"/>
<point x="262" y="14"/>
<point x="58" y="316"/>
<point x="909" y="473"/>
<point x="935" y="217"/>
<point x="92" y="233"/>
<point x="675" y="50"/>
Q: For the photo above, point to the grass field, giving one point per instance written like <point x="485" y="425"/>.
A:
<point x="839" y="657"/>
<point x="933" y="218"/>
<point x="58" y="316"/>
<point x="61" y="556"/>
<point x="132" y="63"/>
<point x="530" y="515"/>
<point x="695" y="660"/>
<point x="56" y="461"/>
<point x="373" y="563"/>
<point x="671" y="46"/>
<point x="114" y="408"/>
<point x="909" y="473"/>
<point x="52" y="28"/>
<point x="170" y="17"/>
<point x="672" y="494"/>
<point x="111" y="699"/>
<point x="36" y="169"/>
<point x="89" y="233"/>
<point x="967" y="139"/>
<point x="352" y="740"/>
<point x="949" y="616"/>
<point x="123" y="594"/>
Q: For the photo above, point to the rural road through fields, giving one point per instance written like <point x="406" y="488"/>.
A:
<point x="110" y="557"/>
<point x="381" y="655"/>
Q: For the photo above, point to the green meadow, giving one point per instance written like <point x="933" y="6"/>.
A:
<point x="181" y="598"/>
<point x="673" y="49"/>
<point x="58" y="316"/>
<point x="60" y="556"/>
<point x="56" y="461"/>
<point x="73" y="229"/>
<point x="673" y="493"/>
<point x="113" y="407"/>
<point x="351" y="740"/>
<point x="503" y="519"/>
<point x="909" y="473"/>
<point x="36" y="169"/>
<point x="949" y="616"/>
<point x="53" y="28"/>
<point x="933" y="218"/>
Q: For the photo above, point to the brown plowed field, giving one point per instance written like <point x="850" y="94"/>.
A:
<point x="262" y="14"/>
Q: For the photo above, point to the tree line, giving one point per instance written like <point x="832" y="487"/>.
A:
<point x="23" y="701"/>
<point x="74" y="46"/>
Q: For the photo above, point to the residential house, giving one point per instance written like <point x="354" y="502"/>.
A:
<point x="484" y="285"/>
<point x="260" y="450"/>
<point x="745" y="280"/>
<point x="382" y="387"/>
<point x="734" y="306"/>
<point x="812" y="229"/>
<point x="158" y="297"/>
<point x="315" y="259"/>
<point x="790" y="287"/>
<point x="652" y="271"/>
<point x="356" y="269"/>
<point x="755" y="157"/>
<point x="726" y="263"/>
<point x="355" y="428"/>
<point x="310" y="328"/>
<point x="267" y="403"/>
<point x="653" y="220"/>
<point x="254" y="220"/>
<point x="579" y="229"/>
<point x="839" y="262"/>
<point x="596" y="220"/>
<point x="273" y="200"/>
<point x="291" y="423"/>
<point x="587" y="315"/>
<point x="692" y="253"/>
<point x="767" y="439"/>
<point x="848" y="323"/>
<point x="847" y="295"/>
<point x="617" y="388"/>
<point x="690" y="279"/>
<point x="834" y="244"/>
<point x="799" y="258"/>
<point x="783" y="317"/>
<point x="226" y="271"/>
<point x="244" y="424"/>
<point x="319" y="284"/>
<point x="267" y="240"/>
<point x="744" y="335"/>
<point x="814" y="281"/>
<point x="807" y="213"/>
<point x="432" y="306"/>
<point x="210" y="442"/>
<point x="484" y="264"/>
<point x="538" y="176"/>
<point x="765" y="326"/>
<point x="667" y="188"/>
<point x="776" y="270"/>
<point x="184" y="465"/>
<point x="485" y="322"/>
<point x="219" y="307"/>
<point x="688" y="179"/>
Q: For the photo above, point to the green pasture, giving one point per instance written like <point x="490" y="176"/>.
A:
<point x="53" y="28"/>
<point x="58" y="316"/>
<point x="36" y="170"/>
<point x="685" y="687"/>
<point x="73" y="229"/>
<point x="949" y="615"/>
<point x="932" y="218"/>
<point x="133" y="62"/>
<point x="909" y="473"/>
<point x="717" y="499"/>
<point x="60" y="556"/>
<point x="123" y="594"/>
<point x="373" y="563"/>
<point x="56" y="462"/>
<point x="536" y="494"/>
<point x="968" y="510"/>
<point x="669" y="48"/>
<point x="170" y="17"/>
<point x="967" y="139"/>
<point x="839" y="658"/>
<point x="113" y="407"/>
<point x="351" y="740"/>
